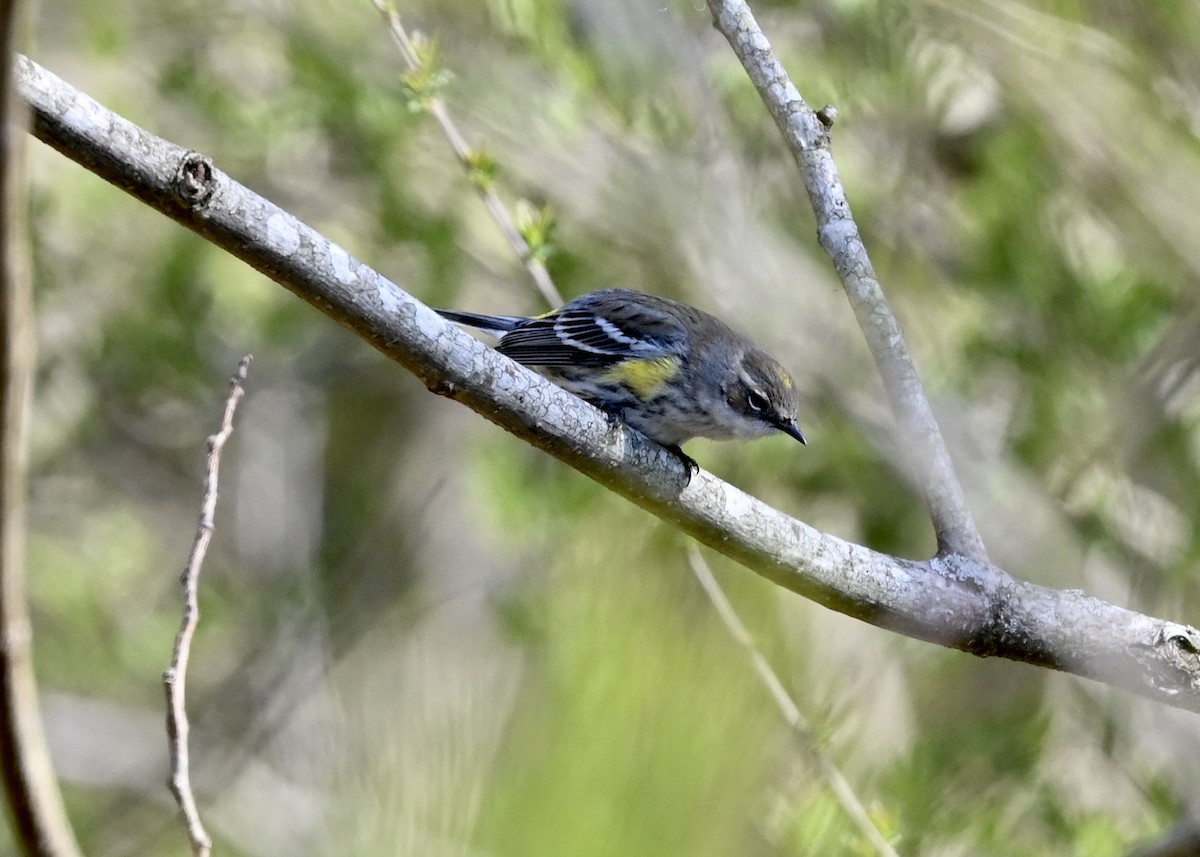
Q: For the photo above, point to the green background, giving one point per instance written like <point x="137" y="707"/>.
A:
<point x="421" y="637"/>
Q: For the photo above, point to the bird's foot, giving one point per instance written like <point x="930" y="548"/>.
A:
<point x="686" y="460"/>
<point x="615" y="414"/>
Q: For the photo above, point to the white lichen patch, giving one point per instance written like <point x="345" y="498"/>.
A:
<point x="282" y="234"/>
<point x="342" y="264"/>
<point x="86" y="113"/>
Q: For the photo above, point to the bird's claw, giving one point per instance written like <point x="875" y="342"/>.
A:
<point x="686" y="460"/>
<point x="614" y="414"/>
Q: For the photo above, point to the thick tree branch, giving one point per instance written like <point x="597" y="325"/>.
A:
<point x="951" y="600"/>
<point x="39" y="822"/>
<point x="807" y="136"/>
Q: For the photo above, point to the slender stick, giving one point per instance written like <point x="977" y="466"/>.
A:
<point x="175" y="676"/>
<point x="40" y="827"/>
<point x="836" y="780"/>
<point x="807" y="136"/>
<point x="462" y="151"/>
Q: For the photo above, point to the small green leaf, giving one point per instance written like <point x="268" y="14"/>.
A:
<point x="423" y="83"/>
<point x="536" y="225"/>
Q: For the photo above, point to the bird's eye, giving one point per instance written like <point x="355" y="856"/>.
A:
<point x="757" y="402"/>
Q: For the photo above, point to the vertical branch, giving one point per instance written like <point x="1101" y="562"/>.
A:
<point x="175" y="676"/>
<point x="39" y="821"/>
<point x="807" y="136"/>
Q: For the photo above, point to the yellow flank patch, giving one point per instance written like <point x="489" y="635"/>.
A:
<point x="644" y="377"/>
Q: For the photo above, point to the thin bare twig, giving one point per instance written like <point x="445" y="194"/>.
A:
<point x="40" y="827"/>
<point x="807" y="136"/>
<point x="838" y="784"/>
<point x="466" y="157"/>
<point x="175" y="676"/>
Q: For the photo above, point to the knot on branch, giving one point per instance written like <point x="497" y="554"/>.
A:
<point x="442" y="387"/>
<point x="1183" y="642"/>
<point x="195" y="180"/>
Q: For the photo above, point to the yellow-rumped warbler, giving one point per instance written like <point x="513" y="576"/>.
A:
<point x="667" y="369"/>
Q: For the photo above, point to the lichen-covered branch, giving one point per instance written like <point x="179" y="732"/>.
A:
<point x="952" y="600"/>
<point x="807" y="135"/>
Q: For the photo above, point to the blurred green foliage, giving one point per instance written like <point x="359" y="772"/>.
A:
<point x="420" y="637"/>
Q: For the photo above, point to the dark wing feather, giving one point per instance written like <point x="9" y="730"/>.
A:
<point x="583" y="330"/>
<point x="483" y="322"/>
<point x="598" y="329"/>
<point x="656" y="321"/>
<point x="592" y="333"/>
<point x="539" y="343"/>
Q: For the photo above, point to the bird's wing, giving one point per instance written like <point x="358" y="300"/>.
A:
<point x="581" y="337"/>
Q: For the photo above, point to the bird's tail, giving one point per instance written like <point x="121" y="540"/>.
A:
<point x="483" y="322"/>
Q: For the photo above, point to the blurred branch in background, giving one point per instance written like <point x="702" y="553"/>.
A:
<point x="175" y="676"/>
<point x="834" y="778"/>
<point x="950" y="600"/>
<point x="808" y="137"/>
<point x="34" y="802"/>
<point x="423" y="80"/>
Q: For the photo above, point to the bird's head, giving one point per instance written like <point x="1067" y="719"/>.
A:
<point x="762" y="396"/>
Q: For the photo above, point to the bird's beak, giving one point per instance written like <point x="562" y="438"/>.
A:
<point x="789" y="427"/>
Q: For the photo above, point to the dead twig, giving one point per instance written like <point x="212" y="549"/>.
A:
<point x="175" y="676"/>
